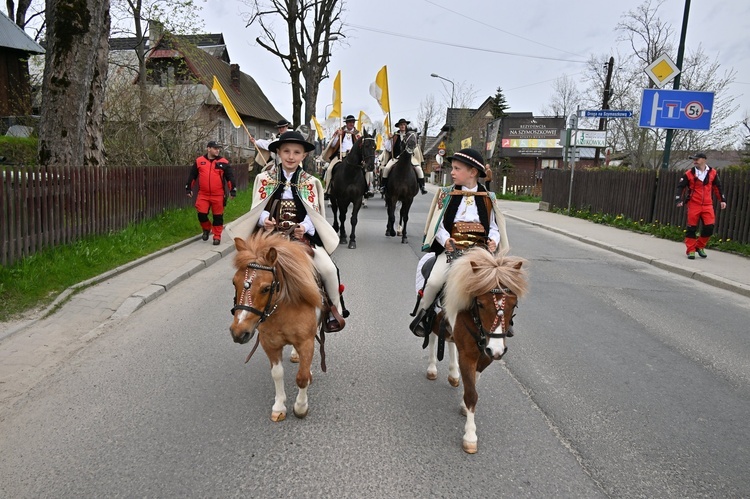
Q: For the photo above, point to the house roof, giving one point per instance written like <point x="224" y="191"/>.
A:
<point x="13" y="37"/>
<point x="249" y="100"/>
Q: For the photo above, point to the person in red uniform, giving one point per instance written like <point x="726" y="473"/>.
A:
<point x="215" y="180"/>
<point x="701" y="182"/>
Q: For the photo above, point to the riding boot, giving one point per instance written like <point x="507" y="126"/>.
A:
<point x="383" y="185"/>
<point x="417" y="326"/>
<point x="421" y="186"/>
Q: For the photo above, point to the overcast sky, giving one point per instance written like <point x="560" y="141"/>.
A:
<point x="461" y="40"/>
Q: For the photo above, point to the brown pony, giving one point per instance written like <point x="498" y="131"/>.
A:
<point x="276" y="292"/>
<point x="481" y="292"/>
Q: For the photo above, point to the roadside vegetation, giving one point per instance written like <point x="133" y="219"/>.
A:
<point x="34" y="282"/>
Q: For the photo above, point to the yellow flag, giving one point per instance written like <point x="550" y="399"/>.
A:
<point x="222" y="97"/>
<point x="319" y="128"/>
<point x="466" y="143"/>
<point x="387" y="126"/>
<point x="364" y="120"/>
<point x="379" y="90"/>
<point x="336" y="111"/>
<point x="379" y="142"/>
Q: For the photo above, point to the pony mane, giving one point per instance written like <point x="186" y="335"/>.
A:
<point x="479" y="271"/>
<point x="294" y="266"/>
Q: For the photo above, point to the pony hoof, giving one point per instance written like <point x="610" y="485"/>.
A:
<point x="278" y="417"/>
<point x="454" y="382"/>
<point x="352" y="245"/>
<point x="301" y="414"/>
<point x="470" y="447"/>
<point x="432" y="376"/>
<point x="294" y="358"/>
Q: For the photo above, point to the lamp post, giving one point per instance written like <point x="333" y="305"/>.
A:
<point x="453" y="85"/>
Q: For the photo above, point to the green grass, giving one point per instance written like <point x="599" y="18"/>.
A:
<point x="36" y="281"/>
<point x="522" y="197"/>
<point x="663" y="231"/>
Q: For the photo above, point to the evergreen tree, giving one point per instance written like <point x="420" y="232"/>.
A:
<point x="499" y="104"/>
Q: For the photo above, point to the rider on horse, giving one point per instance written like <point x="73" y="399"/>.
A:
<point x="340" y="144"/>
<point x="288" y="199"/>
<point x="461" y="216"/>
<point x="263" y="144"/>
<point x="397" y="145"/>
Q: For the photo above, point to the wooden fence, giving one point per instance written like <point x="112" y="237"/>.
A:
<point x="648" y="196"/>
<point x="46" y="207"/>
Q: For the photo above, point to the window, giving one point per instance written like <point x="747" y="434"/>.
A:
<point x="222" y="130"/>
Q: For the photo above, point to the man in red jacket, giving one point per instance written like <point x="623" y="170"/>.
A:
<point x="701" y="181"/>
<point x="215" y="180"/>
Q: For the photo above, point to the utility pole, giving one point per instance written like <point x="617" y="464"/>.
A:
<point x="680" y="53"/>
<point x="605" y="103"/>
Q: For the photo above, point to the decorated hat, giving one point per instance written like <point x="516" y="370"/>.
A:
<point x="698" y="155"/>
<point x="350" y="118"/>
<point x="282" y="123"/>
<point x="291" y="137"/>
<point x="470" y="157"/>
<point x="213" y="143"/>
<point x="402" y="120"/>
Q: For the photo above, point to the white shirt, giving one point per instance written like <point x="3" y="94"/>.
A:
<point x="701" y="175"/>
<point x="346" y="143"/>
<point x="287" y="194"/>
<point x="467" y="212"/>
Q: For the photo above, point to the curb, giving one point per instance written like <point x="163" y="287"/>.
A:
<point x="698" y="275"/>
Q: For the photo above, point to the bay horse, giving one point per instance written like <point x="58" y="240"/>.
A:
<point x="348" y="186"/>
<point x="402" y="188"/>
<point x="277" y="294"/>
<point x="481" y="293"/>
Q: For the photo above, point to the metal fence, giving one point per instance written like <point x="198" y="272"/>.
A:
<point x="42" y="207"/>
<point x="648" y="196"/>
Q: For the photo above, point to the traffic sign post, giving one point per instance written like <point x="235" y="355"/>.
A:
<point x="676" y="109"/>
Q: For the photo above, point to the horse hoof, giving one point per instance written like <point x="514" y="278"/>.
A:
<point x="352" y="245"/>
<point x="390" y="233"/>
<point x="470" y="447"/>
<point x="404" y="240"/>
<point x="278" y="417"/>
<point x="301" y="415"/>
<point x="432" y="376"/>
<point x="294" y="358"/>
<point x="342" y="240"/>
<point x="454" y="382"/>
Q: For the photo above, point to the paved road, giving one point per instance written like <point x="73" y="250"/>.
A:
<point x="619" y="383"/>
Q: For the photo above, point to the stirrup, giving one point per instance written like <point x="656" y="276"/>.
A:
<point x="416" y="326"/>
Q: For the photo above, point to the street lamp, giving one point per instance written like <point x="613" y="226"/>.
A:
<point x="453" y="85"/>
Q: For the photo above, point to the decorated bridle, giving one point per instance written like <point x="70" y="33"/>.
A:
<point x="249" y="277"/>
<point x="481" y="335"/>
<point x="366" y="154"/>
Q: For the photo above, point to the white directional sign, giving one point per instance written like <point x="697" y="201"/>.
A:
<point x="590" y="138"/>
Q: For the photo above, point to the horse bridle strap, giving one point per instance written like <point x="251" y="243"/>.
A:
<point x="270" y="307"/>
<point x="481" y="334"/>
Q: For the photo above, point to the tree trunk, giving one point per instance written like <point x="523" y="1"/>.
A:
<point x="71" y="125"/>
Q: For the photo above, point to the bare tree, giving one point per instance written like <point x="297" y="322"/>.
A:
<point x="303" y="47"/>
<point x="70" y="129"/>
<point x="430" y="114"/>
<point x="565" y="97"/>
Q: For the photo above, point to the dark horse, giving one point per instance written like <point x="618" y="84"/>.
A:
<point x="402" y="187"/>
<point x="348" y="185"/>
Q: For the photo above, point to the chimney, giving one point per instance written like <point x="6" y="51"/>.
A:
<point x="235" y="76"/>
<point x="155" y="30"/>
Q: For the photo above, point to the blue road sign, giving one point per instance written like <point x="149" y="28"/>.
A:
<point x="608" y="113"/>
<point x="676" y="109"/>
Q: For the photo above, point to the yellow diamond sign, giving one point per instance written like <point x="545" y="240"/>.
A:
<point x="662" y="71"/>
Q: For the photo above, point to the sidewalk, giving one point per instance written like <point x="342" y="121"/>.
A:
<point x="29" y="349"/>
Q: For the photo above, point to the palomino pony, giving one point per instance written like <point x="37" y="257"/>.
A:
<point x="348" y="186"/>
<point x="402" y="187"/>
<point x="277" y="294"/>
<point x="481" y="292"/>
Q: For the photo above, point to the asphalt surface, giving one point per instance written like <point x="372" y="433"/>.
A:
<point x="29" y="347"/>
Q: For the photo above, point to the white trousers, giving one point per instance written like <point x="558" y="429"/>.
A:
<point x="329" y="275"/>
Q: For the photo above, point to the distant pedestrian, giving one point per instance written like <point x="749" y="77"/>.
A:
<point x="488" y="178"/>
<point x="700" y="182"/>
<point x="215" y="183"/>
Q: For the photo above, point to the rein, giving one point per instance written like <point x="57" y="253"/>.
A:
<point x="481" y="335"/>
<point x="270" y="306"/>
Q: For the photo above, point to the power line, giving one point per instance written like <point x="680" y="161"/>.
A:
<point x="384" y="32"/>
<point x="501" y="30"/>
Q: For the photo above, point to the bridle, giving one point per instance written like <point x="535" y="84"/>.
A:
<point x="249" y="277"/>
<point x="367" y="155"/>
<point x="481" y="335"/>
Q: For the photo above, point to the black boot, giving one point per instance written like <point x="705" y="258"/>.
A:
<point x="383" y="185"/>
<point x="417" y="326"/>
<point x="421" y="185"/>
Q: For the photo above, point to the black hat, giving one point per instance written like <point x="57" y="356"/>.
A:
<point x="698" y="155"/>
<point x="282" y="123"/>
<point x="350" y="118"/>
<point x="291" y="137"/>
<point x="470" y="157"/>
<point x="402" y="120"/>
<point x="213" y="143"/>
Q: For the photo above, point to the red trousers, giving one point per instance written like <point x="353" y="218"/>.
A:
<point x="215" y="203"/>
<point x="698" y="213"/>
